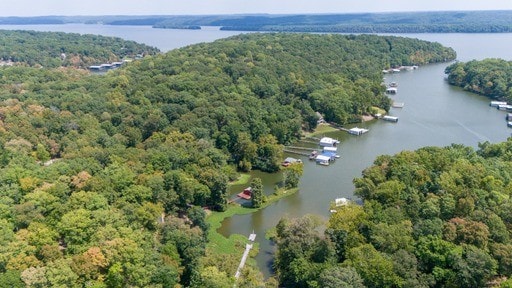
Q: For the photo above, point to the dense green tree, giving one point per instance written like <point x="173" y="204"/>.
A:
<point x="374" y="267"/>
<point x="474" y="268"/>
<point x="342" y="277"/>
<point x="292" y="174"/>
<point x="257" y="196"/>
<point x="434" y="217"/>
<point x="489" y="77"/>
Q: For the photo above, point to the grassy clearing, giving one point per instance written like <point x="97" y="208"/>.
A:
<point x="235" y="243"/>
<point x="321" y="129"/>
<point x="244" y="178"/>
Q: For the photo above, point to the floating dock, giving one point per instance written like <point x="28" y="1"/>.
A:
<point x="497" y="103"/>
<point x="357" y="131"/>
<point x="504" y="107"/>
<point x="391" y="90"/>
<point x="390" y="118"/>
<point x="328" y="142"/>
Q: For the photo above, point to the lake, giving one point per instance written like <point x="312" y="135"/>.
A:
<point x="435" y="114"/>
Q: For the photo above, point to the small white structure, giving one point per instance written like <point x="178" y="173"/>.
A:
<point x="328" y="142"/>
<point x="505" y="107"/>
<point x="323" y="160"/>
<point x="391" y="90"/>
<point x="340" y="202"/>
<point x="497" y="103"/>
<point x="357" y="131"/>
<point x="390" y="118"/>
<point x="252" y="236"/>
<point x="330" y="149"/>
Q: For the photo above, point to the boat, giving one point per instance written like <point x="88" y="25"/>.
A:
<point x="313" y="155"/>
<point x="393" y="84"/>
<point x="509" y="124"/>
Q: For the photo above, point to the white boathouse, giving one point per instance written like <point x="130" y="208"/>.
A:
<point x="328" y="142"/>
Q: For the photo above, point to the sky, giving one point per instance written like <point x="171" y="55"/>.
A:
<point x="205" y="7"/>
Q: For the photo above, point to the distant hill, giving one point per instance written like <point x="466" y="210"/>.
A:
<point x="397" y="22"/>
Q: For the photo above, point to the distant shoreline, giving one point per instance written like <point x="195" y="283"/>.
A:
<point x="389" y="22"/>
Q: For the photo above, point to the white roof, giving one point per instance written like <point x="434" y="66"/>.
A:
<point x="323" y="158"/>
<point x="331" y="149"/>
<point x="327" y="140"/>
<point x="356" y="129"/>
<point x="340" y="201"/>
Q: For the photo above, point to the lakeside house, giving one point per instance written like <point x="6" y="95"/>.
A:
<point x="246" y="194"/>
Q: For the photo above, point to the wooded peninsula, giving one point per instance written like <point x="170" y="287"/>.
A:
<point x="488" y="77"/>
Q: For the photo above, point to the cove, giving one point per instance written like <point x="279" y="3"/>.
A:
<point x="434" y="114"/>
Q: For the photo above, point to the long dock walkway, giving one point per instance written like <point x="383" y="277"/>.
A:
<point x="248" y="248"/>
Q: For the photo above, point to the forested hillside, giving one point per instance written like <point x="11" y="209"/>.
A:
<point x="52" y="49"/>
<point x="103" y="178"/>
<point x="489" y="77"/>
<point x="434" y="217"/>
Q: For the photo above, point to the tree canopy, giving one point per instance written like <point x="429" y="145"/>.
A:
<point x="489" y="77"/>
<point x="103" y="178"/>
<point x="56" y="49"/>
<point x="434" y="217"/>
